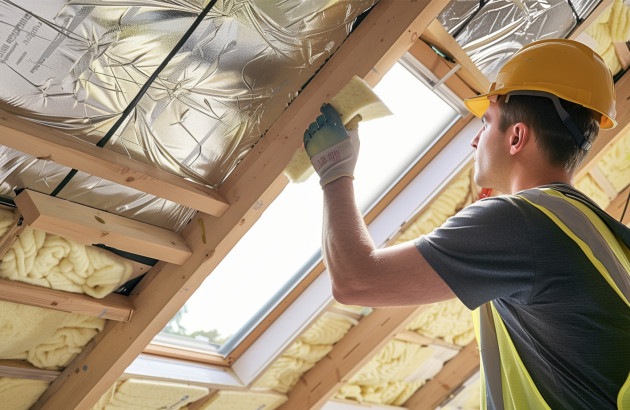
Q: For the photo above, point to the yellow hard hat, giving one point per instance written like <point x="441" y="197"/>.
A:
<point x="565" y="68"/>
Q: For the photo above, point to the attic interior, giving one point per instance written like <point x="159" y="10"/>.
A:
<point x="155" y="255"/>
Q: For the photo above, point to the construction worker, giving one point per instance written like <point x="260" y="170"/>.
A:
<point x="546" y="271"/>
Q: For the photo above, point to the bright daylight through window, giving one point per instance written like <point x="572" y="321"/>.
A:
<point x="283" y="246"/>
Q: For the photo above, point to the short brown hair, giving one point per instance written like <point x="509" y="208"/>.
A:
<point x="552" y="136"/>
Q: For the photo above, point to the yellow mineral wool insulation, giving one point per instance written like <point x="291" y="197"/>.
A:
<point x="328" y="329"/>
<point x="589" y="187"/>
<point x="433" y="364"/>
<point x="459" y="193"/>
<point x="51" y="261"/>
<point x="615" y="164"/>
<point x="396" y="361"/>
<point x="137" y="394"/>
<point x="382" y="379"/>
<point x="449" y="320"/>
<point x="244" y="400"/>
<point x="308" y="349"/>
<point x="612" y="26"/>
<point x="46" y="338"/>
<point x="20" y="394"/>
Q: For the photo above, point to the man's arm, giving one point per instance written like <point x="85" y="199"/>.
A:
<point x="364" y="275"/>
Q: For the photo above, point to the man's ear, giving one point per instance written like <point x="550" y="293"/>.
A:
<point x="519" y="137"/>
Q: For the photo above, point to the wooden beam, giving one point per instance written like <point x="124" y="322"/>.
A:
<point x="454" y="373"/>
<point x="249" y="189"/>
<point x="348" y="356"/>
<point x="46" y="143"/>
<point x="20" y="369"/>
<point x="436" y="35"/>
<point x="91" y="226"/>
<point x="113" y="306"/>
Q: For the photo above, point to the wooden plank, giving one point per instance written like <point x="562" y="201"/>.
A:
<point x="46" y="143"/>
<point x="348" y="356"/>
<point x="436" y="35"/>
<point x="113" y="306"/>
<point x="249" y="189"/>
<point x="91" y="226"/>
<point x="23" y="370"/>
<point x="6" y="241"/>
<point x="454" y="373"/>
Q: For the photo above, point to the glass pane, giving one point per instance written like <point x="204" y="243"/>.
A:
<point x="284" y="244"/>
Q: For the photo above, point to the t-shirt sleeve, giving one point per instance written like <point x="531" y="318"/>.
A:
<point x="483" y="253"/>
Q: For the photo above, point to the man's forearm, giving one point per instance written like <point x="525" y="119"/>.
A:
<point x="346" y="242"/>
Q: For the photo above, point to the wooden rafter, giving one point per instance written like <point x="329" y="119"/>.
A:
<point x="249" y="190"/>
<point x="454" y="373"/>
<point x="91" y="226"/>
<point x="348" y="356"/>
<point x="48" y="144"/>
<point x="113" y="306"/>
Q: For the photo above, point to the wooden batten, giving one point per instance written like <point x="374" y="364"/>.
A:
<point x="437" y="36"/>
<point x="91" y="226"/>
<point x="454" y="373"/>
<point x="46" y="143"/>
<point x="348" y="356"/>
<point x="113" y="306"/>
<point x="19" y="369"/>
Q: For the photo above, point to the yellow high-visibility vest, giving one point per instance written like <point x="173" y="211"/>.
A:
<point x="505" y="382"/>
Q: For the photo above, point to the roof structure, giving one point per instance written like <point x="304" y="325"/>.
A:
<point x="141" y="141"/>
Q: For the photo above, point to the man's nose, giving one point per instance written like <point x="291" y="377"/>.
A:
<point x="475" y="140"/>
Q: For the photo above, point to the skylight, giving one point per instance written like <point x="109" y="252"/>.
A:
<point x="284" y="245"/>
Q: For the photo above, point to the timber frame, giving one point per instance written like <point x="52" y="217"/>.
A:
<point x="392" y="28"/>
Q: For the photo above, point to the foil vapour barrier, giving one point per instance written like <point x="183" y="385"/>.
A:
<point x="492" y="31"/>
<point x="76" y="65"/>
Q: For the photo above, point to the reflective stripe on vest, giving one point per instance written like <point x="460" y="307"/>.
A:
<point x="504" y="377"/>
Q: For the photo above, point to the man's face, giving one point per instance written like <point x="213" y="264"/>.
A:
<point x="491" y="155"/>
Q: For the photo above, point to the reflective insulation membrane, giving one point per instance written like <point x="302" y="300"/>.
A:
<point x="492" y="31"/>
<point x="77" y="66"/>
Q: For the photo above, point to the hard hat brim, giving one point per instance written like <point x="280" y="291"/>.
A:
<point x="479" y="104"/>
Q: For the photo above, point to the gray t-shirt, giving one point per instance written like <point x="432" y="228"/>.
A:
<point x="570" y="328"/>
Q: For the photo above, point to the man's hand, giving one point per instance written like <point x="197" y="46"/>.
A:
<point x="333" y="150"/>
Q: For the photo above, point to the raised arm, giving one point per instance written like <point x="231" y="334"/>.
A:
<point x="361" y="273"/>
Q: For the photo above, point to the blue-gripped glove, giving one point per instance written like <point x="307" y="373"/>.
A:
<point x="333" y="150"/>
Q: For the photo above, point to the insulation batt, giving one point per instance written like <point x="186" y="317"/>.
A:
<point x="137" y="394"/>
<point x="308" y="349"/>
<point x="20" y="394"/>
<point x="52" y="261"/>
<point x="382" y="379"/>
<point x="612" y="26"/>
<point x="46" y="338"/>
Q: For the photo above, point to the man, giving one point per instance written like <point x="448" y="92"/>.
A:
<point x="547" y="271"/>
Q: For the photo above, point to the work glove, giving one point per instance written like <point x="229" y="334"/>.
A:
<point x="333" y="150"/>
